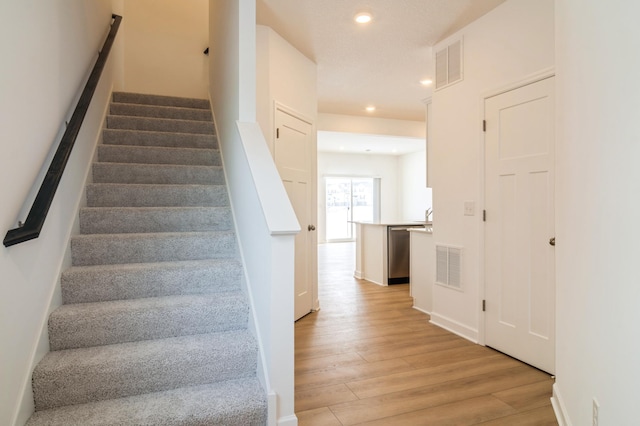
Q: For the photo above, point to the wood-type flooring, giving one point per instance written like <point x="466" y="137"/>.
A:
<point x="368" y="358"/>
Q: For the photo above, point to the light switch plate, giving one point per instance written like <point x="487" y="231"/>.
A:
<point x="469" y="208"/>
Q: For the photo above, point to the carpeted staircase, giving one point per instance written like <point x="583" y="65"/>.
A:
<point x="153" y="327"/>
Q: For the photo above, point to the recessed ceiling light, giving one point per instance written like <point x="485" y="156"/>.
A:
<point x="363" y="18"/>
<point x="370" y="108"/>
<point x="426" y="82"/>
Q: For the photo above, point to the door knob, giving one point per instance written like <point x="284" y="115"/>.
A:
<point x="311" y="227"/>
<point x="552" y="241"/>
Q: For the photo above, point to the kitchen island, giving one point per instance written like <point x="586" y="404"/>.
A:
<point x="373" y="249"/>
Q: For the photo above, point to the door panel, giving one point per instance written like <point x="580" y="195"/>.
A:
<point x="292" y="153"/>
<point x="519" y="199"/>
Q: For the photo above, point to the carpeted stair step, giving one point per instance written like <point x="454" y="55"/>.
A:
<point x="109" y="249"/>
<point x="159" y="124"/>
<point x="157" y="111"/>
<point x="157" y="174"/>
<point x="142" y="195"/>
<point x="158" y="139"/>
<point x="239" y="402"/>
<point x="124" y="220"/>
<point x="78" y="376"/>
<point x="83" y="325"/>
<point x="158" y="155"/>
<point x="98" y="283"/>
<point x="148" y="138"/>
<point x="144" y="99"/>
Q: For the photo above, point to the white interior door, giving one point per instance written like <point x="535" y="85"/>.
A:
<point x="292" y="153"/>
<point x="519" y="191"/>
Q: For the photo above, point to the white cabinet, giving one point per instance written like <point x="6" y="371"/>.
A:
<point x="422" y="269"/>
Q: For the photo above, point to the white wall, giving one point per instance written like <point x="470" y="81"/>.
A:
<point x="598" y="182"/>
<point x="371" y="125"/>
<point x="415" y="196"/>
<point x="48" y="50"/>
<point x="165" y="41"/>
<point x="285" y="76"/>
<point x="265" y="222"/>
<point x="504" y="46"/>
<point x="286" y="79"/>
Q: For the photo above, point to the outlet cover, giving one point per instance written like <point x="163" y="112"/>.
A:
<point x="469" y="208"/>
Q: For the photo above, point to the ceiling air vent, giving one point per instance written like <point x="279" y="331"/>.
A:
<point x="449" y="266"/>
<point x="449" y="64"/>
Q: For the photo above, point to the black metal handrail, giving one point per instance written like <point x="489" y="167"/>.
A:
<point x="40" y="207"/>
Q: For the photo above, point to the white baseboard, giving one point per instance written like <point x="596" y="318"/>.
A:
<point x="559" y="408"/>
<point x="357" y="274"/>
<point x="291" y="420"/>
<point x="421" y="310"/>
<point x="455" y="327"/>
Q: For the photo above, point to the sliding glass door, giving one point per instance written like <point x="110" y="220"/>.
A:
<point x="348" y="200"/>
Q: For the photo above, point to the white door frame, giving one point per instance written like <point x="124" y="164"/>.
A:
<point x="530" y="79"/>
<point x="277" y="106"/>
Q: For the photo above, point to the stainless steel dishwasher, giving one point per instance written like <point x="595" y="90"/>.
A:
<point x="398" y="247"/>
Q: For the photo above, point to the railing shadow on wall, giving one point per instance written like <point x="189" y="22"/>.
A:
<point x="32" y="226"/>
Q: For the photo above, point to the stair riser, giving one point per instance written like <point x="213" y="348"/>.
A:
<point x="163" y="365"/>
<point x="158" y="139"/>
<point x="159" y="125"/>
<point x="143" y="99"/>
<point x="161" y="155"/>
<point x="160" y="112"/>
<point x="87" y="285"/>
<point x="105" y="220"/>
<point x="141" y="248"/>
<point x="99" y="324"/>
<point x="232" y="403"/>
<point x="122" y="195"/>
<point x="157" y="174"/>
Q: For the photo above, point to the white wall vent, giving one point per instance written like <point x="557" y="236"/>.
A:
<point x="449" y="266"/>
<point x="449" y="65"/>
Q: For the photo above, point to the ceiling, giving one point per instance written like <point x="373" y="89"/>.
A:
<point x="380" y="63"/>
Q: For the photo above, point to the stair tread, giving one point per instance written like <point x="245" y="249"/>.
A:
<point x="154" y="166"/>
<point x="96" y="283"/>
<point x="161" y="148"/>
<point x="167" y="125"/>
<point x="161" y="185"/>
<point x="179" y="264"/>
<point x="127" y="173"/>
<point x="134" y="368"/>
<point x="92" y="249"/>
<point x="158" y="120"/>
<point x="149" y="99"/>
<point x="109" y="322"/>
<point x="157" y="194"/>
<point x="151" y="138"/>
<point x="239" y="402"/>
<point x="159" y="111"/>
<point x="152" y="235"/>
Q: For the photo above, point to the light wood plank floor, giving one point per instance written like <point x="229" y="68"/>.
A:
<point x="368" y="358"/>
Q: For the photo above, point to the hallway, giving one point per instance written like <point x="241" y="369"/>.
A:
<point x="367" y="357"/>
